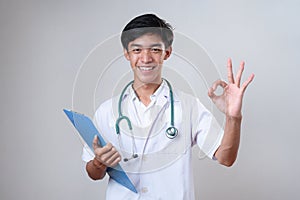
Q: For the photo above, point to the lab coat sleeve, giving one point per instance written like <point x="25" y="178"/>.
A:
<point x="87" y="154"/>
<point x="207" y="133"/>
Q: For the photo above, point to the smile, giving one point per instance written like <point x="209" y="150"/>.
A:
<point x="145" y="68"/>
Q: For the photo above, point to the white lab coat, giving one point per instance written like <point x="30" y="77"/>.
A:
<point x="163" y="169"/>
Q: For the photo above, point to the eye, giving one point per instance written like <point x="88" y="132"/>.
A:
<point x="156" y="50"/>
<point x="136" y="50"/>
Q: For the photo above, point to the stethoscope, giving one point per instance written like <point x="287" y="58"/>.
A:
<point x="171" y="131"/>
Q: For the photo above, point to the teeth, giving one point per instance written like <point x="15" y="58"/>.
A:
<point x="146" y="68"/>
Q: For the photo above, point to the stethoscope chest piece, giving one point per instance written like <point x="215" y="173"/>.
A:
<point x="171" y="132"/>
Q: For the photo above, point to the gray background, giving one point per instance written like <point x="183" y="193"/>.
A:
<point x="43" y="43"/>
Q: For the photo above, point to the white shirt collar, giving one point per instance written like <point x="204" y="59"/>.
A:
<point x="162" y="91"/>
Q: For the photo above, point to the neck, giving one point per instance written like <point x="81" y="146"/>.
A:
<point x="145" y="90"/>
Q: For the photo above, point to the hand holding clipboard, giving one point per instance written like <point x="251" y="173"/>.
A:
<point x="87" y="131"/>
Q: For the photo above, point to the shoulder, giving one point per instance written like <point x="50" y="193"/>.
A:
<point x="107" y="105"/>
<point x="189" y="101"/>
<point x="185" y="97"/>
<point x="106" y="108"/>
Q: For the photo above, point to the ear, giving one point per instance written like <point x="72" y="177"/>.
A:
<point x="168" y="52"/>
<point x="126" y="54"/>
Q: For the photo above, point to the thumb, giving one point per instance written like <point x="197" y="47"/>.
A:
<point x="95" y="142"/>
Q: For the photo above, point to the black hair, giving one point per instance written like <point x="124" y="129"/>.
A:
<point x="144" y="24"/>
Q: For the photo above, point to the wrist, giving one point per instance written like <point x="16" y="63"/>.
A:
<point x="95" y="169"/>
<point x="234" y="117"/>
<point x="97" y="164"/>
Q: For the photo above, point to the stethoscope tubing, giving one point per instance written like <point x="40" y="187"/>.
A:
<point x="171" y="132"/>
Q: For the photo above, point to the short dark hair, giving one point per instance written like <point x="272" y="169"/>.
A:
<point x="144" y="24"/>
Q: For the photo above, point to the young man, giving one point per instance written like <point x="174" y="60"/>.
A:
<point x="156" y="158"/>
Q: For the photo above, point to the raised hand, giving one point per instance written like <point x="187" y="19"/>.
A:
<point x="230" y="101"/>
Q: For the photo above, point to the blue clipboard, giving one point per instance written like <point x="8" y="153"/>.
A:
<point x="87" y="130"/>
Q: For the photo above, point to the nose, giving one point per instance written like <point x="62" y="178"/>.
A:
<point x="146" y="56"/>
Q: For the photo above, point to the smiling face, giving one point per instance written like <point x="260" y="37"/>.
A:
<point x="146" y="55"/>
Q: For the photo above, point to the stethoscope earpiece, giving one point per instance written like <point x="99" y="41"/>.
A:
<point x="135" y="155"/>
<point x="132" y="157"/>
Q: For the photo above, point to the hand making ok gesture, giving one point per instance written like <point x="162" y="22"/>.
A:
<point x="230" y="101"/>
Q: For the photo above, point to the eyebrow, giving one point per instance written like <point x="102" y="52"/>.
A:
<point x="152" y="45"/>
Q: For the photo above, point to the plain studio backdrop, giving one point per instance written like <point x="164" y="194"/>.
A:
<point x="44" y="43"/>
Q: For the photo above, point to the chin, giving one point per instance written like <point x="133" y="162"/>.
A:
<point x="150" y="80"/>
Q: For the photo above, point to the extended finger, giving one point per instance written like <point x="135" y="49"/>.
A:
<point x="239" y="74"/>
<point x="229" y="71"/>
<point x="247" y="82"/>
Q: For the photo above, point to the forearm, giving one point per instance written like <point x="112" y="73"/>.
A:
<point x="95" y="169"/>
<point x="227" y="152"/>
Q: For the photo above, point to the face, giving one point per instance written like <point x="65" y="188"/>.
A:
<point x="146" y="55"/>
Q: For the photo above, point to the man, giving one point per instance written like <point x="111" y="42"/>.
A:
<point x="160" y="167"/>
